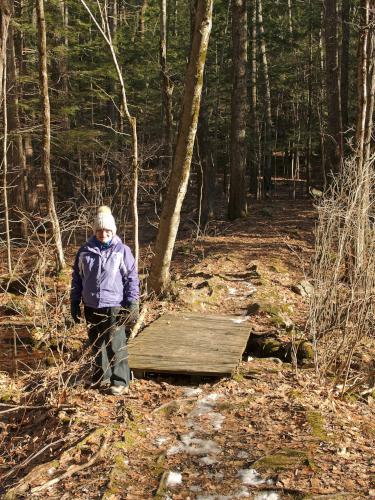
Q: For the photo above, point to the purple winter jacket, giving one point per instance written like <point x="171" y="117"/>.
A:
<point x="104" y="277"/>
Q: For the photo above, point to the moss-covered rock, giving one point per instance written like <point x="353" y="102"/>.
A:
<point x="285" y="459"/>
<point x="317" y="424"/>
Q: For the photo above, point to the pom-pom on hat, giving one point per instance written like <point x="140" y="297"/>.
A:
<point x="104" y="220"/>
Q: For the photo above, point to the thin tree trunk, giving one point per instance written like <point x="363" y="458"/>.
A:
<point x="268" y="125"/>
<point x="255" y="172"/>
<point x="237" y="195"/>
<point x="124" y="110"/>
<point x="167" y="86"/>
<point x="345" y="20"/>
<point x="206" y="170"/>
<point x="16" y="152"/>
<point x="365" y="82"/>
<point x="309" y="105"/>
<point x="4" y="26"/>
<point x="4" y="36"/>
<point x="334" y="142"/>
<point x="170" y="218"/>
<point x="46" y="149"/>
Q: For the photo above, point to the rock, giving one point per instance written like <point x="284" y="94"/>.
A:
<point x="303" y="288"/>
<point x="278" y="316"/>
<point x="285" y="459"/>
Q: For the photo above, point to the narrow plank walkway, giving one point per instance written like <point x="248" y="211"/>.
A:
<point x="190" y="343"/>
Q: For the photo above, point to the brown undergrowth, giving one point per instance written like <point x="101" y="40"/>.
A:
<point x="272" y="429"/>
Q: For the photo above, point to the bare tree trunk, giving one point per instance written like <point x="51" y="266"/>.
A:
<point x="170" y="218"/>
<point x="46" y="151"/>
<point x="124" y="110"/>
<point x="5" y="18"/>
<point x="345" y="20"/>
<point x="206" y="170"/>
<point x="334" y="142"/>
<point x="4" y="26"/>
<point x="268" y="132"/>
<point x="142" y="19"/>
<point x="309" y="106"/>
<point x="365" y="82"/>
<point x="256" y="160"/>
<point x="167" y="86"/>
<point x="16" y="152"/>
<point x="237" y="195"/>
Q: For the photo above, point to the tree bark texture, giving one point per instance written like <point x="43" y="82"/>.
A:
<point x="366" y="81"/>
<point x="16" y="154"/>
<point x="46" y="146"/>
<point x="334" y="141"/>
<point x="4" y="26"/>
<point x="170" y="217"/>
<point x="237" y="194"/>
<point x="345" y="45"/>
<point x="267" y="174"/>
<point x="167" y="86"/>
<point x="206" y="170"/>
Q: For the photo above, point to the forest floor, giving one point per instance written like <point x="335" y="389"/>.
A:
<point x="271" y="431"/>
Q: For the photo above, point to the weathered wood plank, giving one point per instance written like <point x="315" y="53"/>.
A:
<point x="190" y="343"/>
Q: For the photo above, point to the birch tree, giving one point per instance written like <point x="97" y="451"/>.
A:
<point x="170" y="217"/>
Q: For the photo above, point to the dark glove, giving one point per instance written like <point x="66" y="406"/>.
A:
<point x="131" y="313"/>
<point x="75" y="311"/>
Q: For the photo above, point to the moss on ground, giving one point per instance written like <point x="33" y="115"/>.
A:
<point x="285" y="459"/>
<point x="317" y="424"/>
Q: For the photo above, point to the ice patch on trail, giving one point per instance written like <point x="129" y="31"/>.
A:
<point x="242" y="454"/>
<point x="208" y="460"/>
<point x="251" y="477"/>
<point x="232" y="291"/>
<point x="240" y="320"/>
<point x="194" y="446"/>
<point x="205" y="406"/>
<point x="192" y="391"/>
<point x="161" y="440"/>
<point x="267" y="495"/>
<point x="173" y="479"/>
<point x="242" y="493"/>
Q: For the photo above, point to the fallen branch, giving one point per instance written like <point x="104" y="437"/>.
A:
<point x="73" y="469"/>
<point x="139" y="323"/>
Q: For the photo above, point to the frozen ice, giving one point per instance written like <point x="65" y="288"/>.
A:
<point x="173" y="479"/>
<point x="250" y="477"/>
<point x="267" y="495"/>
<point x="192" y="391"/>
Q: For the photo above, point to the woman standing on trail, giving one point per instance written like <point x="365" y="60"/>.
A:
<point x="105" y="278"/>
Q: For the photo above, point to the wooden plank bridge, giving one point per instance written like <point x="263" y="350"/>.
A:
<point x="189" y="343"/>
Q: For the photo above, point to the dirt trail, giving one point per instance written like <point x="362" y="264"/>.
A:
<point x="271" y="431"/>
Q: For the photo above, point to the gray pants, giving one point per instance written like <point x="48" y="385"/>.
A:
<point x="108" y="341"/>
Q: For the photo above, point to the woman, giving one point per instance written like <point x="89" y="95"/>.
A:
<point x="105" y="278"/>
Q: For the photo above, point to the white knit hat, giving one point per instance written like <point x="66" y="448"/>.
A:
<point x="104" y="220"/>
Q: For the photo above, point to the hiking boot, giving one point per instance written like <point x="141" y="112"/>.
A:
<point x="118" y="390"/>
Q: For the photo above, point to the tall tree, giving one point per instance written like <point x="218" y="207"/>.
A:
<point x="46" y="146"/>
<point x="334" y="140"/>
<point x="167" y="86"/>
<point x="170" y="217"/>
<point x="237" y="195"/>
<point x="344" y="82"/>
<point x="16" y="154"/>
<point x="4" y="27"/>
<point x="268" y="107"/>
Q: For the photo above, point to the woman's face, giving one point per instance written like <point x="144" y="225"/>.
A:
<point x="103" y="235"/>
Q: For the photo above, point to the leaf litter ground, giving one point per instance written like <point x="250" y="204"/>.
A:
<point x="271" y="431"/>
